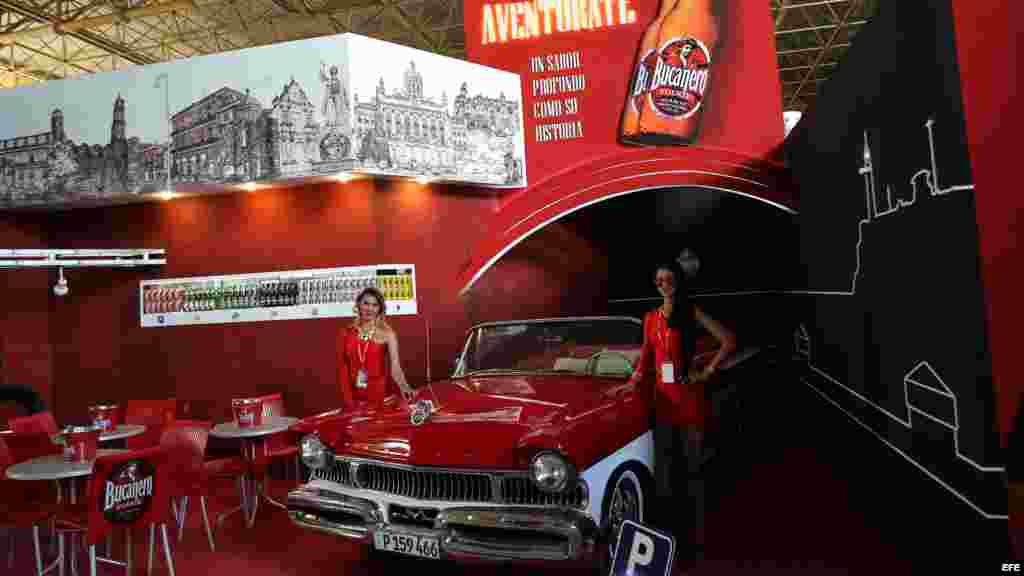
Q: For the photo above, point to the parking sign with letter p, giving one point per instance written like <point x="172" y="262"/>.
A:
<point x="643" y="551"/>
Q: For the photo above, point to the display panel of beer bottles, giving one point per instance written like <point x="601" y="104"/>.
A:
<point x="646" y="60"/>
<point x="678" y="89"/>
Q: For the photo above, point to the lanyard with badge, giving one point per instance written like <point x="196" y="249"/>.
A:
<point x="667" y="366"/>
<point x="362" y="379"/>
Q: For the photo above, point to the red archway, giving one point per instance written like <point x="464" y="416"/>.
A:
<point x="632" y="171"/>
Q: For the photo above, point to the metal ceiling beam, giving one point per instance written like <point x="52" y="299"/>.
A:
<point x="26" y="72"/>
<point x="835" y="34"/>
<point x="811" y="49"/>
<point x="823" y="26"/>
<point x="782" y="13"/>
<point x="56" y="59"/>
<point x="405" y="20"/>
<point x="817" y="3"/>
<point x="823" y="64"/>
<point x="91" y="38"/>
<point x="74" y="25"/>
<point x="797" y="83"/>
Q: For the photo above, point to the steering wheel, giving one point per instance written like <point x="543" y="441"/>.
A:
<point x="593" y="360"/>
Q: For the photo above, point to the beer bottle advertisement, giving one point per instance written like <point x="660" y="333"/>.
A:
<point x="603" y="77"/>
<point x="127" y="493"/>
<point x="673" y="100"/>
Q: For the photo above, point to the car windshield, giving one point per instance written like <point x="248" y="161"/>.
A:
<point x="607" y="347"/>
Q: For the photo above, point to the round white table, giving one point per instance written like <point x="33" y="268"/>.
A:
<point x="253" y="438"/>
<point x="54" y="467"/>
<point x="122" y="431"/>
<point x="269" y="426"/>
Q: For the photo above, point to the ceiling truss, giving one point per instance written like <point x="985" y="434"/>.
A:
<point x="52" y="39"/>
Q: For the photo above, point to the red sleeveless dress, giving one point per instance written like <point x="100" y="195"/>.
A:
<point x="675" y="402"/>
<point x="354" y="354"/>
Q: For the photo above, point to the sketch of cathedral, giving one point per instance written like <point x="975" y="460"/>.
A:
<point x="410" y="132"/>
<point x="48" y="167"/>
<point x="230" y="136"/>
<point x="294" y="115"/>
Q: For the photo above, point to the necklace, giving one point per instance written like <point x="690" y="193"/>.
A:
<point x="366" y="337"/>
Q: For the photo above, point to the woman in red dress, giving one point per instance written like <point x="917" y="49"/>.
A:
<point x="678" y="399"/>
<point x="368" y="361"/>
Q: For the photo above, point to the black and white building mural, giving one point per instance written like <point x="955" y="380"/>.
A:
<point x="288" y="112"/>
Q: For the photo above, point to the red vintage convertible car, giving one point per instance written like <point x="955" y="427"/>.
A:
<point x="536" y="449"/>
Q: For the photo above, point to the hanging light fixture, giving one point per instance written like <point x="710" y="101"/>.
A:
<point x="61" y="287"/>
<point x="61" y="259"/>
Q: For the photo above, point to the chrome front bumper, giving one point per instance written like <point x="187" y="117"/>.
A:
<point x="485" y="533"/>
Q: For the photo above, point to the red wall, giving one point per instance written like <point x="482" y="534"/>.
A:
<point x="25" y="320"/>
<point x="989" y="51"/>
<point x="101" y="353"/>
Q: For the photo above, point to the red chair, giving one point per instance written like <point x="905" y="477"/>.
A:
<point x="23" y="505"/>
<point x="26" y="446"/>
<point x="138" y="494"/>
<point x="39" y="422"/>
<point x="282" y="445"/>
<point x="154" y="415"/>
<point x="186" y="442"/>
<point x="227" y="468"/>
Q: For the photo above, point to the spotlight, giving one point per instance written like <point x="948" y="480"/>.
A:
<point x="166" y="195"/>
<point x="343" y="177"/>
<point x="249" y="186"/>
<point x="61" y="287"/>
<point x="689" y="262"/>
<point x="423" y="180"/>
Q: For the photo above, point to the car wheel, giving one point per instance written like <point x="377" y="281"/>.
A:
<point x="626" y="499"/>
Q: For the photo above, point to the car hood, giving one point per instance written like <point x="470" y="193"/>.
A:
<point x="485" y="422"/>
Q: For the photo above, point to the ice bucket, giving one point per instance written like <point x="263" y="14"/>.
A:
<point x="105" y="417"/>
<point x="80" y="443"/>
<point x="248" y="412"/>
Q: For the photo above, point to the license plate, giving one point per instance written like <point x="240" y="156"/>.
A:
<point x="410" y="544"/>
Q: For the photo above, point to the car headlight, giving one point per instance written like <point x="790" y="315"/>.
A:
<point x="551" y="472"/>
<point x="314" y="454"/>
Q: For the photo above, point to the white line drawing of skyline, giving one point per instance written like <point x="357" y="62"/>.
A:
<point x="908" y="379"/>
<point x="867" y="170"/>
<point x="801" y="335"/>
<point x="924" y="178"/>
<point x="929" y="473"/>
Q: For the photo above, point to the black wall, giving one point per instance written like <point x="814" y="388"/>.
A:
<point x="747" y="248"/>
<point x="894" y="315"/>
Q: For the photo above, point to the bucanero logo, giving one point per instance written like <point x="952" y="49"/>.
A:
<point x="680" y="78"/>
<point x="128" y="493"/>
<point x="642" y="80"/>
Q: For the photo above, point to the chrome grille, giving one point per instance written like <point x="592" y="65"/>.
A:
<point x="449" y="485"/>
<point x="521" y="490"/>
<point x="338" y="472"/>
<point x="426" y="484"/>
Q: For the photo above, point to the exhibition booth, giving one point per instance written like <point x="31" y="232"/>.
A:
<point x="183" y="245"/>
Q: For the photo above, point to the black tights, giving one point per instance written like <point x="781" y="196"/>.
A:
<point x="678" y="481"/>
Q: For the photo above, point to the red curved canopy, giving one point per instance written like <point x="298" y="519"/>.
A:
<point x="629" y="172"/>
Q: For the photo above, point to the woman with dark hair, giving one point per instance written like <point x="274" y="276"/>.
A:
<point x="677" y="402"/>
<point x="368" y="358"/>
